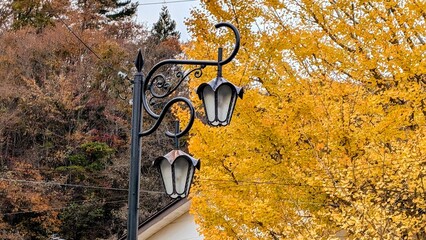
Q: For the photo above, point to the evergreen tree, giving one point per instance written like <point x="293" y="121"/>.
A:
<point x="96" y="13"/>
<point x="39" y="14"/>
<point x="117" y="10"/>
<point x="35" y="13"/>
<point x="165" y="27"/>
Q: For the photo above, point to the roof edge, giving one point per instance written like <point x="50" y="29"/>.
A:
<point x="158" y="216"/>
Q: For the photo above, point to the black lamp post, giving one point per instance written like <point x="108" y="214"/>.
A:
<point x="177" y="168"/>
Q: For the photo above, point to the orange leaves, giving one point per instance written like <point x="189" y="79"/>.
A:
<point x="33" y="200"/>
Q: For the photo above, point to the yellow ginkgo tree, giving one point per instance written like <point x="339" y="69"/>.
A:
<point x="330" y="138"/>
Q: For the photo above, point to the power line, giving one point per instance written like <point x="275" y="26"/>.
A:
<point x="79" y="39"/>
<point x="378" y="165"/>
<point x="108" y="65"/>
<point x="164" y="2"/>
<point x="245" y="183"/>
<point x="62" y="208"/>
<point x="50" y="169"/>
<point x="74" y="185"/>
<point x="89" y="48"/>
<point x="241" y="183"/>
<point x="395" y="163"/>
<point x="81" y="201"/>
<point x="95" y="202"/>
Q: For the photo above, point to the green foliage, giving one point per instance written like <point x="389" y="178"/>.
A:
<point x="96" y="151"/>
<point x="72" y="168"/>
<point x="98" y="13"/>
<point x="90" y="156"/>
<point x="79" y="221"/>
<point x="78" y="159"/>
<point x="118" y="9"/>
<point x="30" y="13"/>
<point x="41" y="14"/>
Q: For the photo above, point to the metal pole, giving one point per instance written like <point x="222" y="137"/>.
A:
<point x="135" y="149"/>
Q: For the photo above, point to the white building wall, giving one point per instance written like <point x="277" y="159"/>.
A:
<point x="182" y="228"/>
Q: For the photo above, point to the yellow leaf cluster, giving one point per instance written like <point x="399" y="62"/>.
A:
<point x="329" y="139"/>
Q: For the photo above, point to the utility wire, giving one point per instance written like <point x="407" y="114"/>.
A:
<point x="73" y="185"/>
<point x="79" y="39"/>
<point x="241" y="183"/>
<point x="87" y="201"/>
<point x="245" y="183"/>
<point x="93" y="52"/>
<point x="164" y="2"/>
<point x="60" y="184"/>
<point x="61" y="208"/>
<point x="378" y="165"/>
<point x="95" y="202"/>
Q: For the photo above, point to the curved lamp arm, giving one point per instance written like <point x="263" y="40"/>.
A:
<point x="237" y="42"/>
<point x="167" y="107"/>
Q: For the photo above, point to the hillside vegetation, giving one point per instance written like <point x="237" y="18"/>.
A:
<point x="65" y="117"/>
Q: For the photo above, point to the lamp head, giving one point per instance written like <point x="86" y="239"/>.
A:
<point x="177" y="171"/>
<point x="219" y="97"/>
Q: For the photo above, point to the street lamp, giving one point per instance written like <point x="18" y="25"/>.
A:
<point x="177" y="171"/>
<point x="177" y="168"/>
<point x="219" y="97"/>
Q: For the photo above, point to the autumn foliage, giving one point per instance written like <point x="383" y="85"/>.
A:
<point x="329" y="139"/>
<point x="64" y="118"/>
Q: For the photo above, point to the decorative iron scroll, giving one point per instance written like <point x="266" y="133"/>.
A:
<point x="161" y="82"/>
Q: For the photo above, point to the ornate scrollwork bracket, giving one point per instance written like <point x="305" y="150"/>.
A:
<point x="159" y="86"/>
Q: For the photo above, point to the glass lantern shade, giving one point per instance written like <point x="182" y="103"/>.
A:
<point x="219" y="97"/>
<point x="177" y="171"/>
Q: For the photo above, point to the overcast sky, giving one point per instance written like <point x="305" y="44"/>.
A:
<point x="149" y="11"/>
